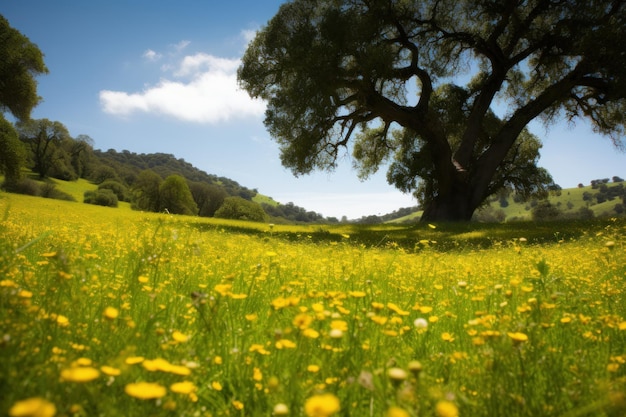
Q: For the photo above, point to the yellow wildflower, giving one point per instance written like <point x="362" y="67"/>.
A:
<point x="446" y="409"/>
<point x="80" y="374"/>
<point x="111" y="313"/>
<point x="322" y="405"/>
<point x="145" y="390"/>
<point x="33" y="407"/>
<point x="185" y="387"/>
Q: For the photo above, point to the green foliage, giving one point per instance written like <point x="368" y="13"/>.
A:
<point x="146" y="191"/>
<point x="175" y="196"/>
<point x="44" y="138"/>
<point x="208" y="197"/>
<point x="12" y="152"/>
<point x="101" y="197"/>
<point x="381" y="74"/>
<point x="237" y="208"/>
<point x="545" y="211"/>
<point x="120" y="190"/>
<point x="20" y="61"/>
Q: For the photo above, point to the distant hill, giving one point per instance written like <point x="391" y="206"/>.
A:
<point x="602" y="198"/>
<point x="128" y="165"/>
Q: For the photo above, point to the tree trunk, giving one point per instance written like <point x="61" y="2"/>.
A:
<point x="452" y="205"/>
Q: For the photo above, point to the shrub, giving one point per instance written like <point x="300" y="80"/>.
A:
<point x="544" y="211"/>
<point x="119" y="189"/>
<point x="24" y="186"/>
<point x="49" y="190"/>
<point x="101" y="197"/>
<point x="237" y="208"/>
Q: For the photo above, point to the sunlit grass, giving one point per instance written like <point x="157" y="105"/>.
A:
<point x="113" y="312"/>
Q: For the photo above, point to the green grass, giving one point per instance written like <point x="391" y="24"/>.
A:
<point x="236" y="318"/>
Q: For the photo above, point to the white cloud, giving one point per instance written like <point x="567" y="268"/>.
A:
<point x="209" y="94"/>
<point x="151" y="55"/>
<point x="181" y="45"/>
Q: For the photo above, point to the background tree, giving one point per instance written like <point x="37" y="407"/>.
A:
<point x="145" y="191"/>
<point x="208" y="197"/>
<point x="175" y="196"/>
<point x="44" y="139"/>
<point x="330" y="69"/>
<point x="238" y="208"/>
<point x="12" y="153"/>
<point x="20" y="61"/>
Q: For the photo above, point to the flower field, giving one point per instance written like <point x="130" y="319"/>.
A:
<point x="107" y="312"/>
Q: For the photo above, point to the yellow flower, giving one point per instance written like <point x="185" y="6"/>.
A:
<point x="446" y="409"/>
<point x="62" y="320"/>
<point x="179" y="337"/>
<point x="133" y="360"/>
<point x="25" y="294"/>
<point x="518" y="337"/>
<point x="216" y="386"/>
<point x="394" y="411"/>
<point x="313" y="368"/>
<point x="80" y="374"/>
<point x="310" y="333"/>
<point x="164" y="366"/>
<point x="185" y="387"/>
<point x="447" y="337"/>
<point x="109" y="370"/>
<point x="238" y="405"/>
<point x="257" y="375"/>
<point x="393" y="307"/>
<point x="145" y="390"/>
<point x="322" y="405"/>
<point x="111" y="313"/>
<point x="285" y="344"/>
<point x="339" y="325"/>
<point x="255" y="347"/>
<point x="302" y="321"/>
<point x="33" y="407"/>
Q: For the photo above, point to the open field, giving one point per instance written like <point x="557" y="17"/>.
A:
<point x="108" y="312"/>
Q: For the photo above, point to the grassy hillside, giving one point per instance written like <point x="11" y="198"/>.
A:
<point x="569" y="201"/>
<point x="108" y="312"/>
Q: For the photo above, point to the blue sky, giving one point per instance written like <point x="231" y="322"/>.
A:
<point x="159" y="76"/>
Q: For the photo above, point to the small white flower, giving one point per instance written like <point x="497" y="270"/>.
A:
<point x="336" y="333"/>
<point x="420" y="323"/>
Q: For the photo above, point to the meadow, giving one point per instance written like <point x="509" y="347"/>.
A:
<point x="110" y="312"/>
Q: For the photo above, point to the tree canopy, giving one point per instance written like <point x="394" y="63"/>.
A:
<point x="20" y="61"/>
<point x="441" y="91"/>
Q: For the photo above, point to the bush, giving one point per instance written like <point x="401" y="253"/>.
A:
<point x="104" y="197"/>
<point x="119" y="189"/>
<point x="545" y="211"/>
<point x="24" y="186"/>
<point x="237" y="208"/>
<point x="49" y="190"/>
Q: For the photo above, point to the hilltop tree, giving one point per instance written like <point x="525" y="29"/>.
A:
<point x="44" y="138"/>
<point x="20" y="61"/>
<point x="12" y="154"/>
<point x="175" y="196"/>
<point x="145" y="191"/>
<point x="441" y="90"/>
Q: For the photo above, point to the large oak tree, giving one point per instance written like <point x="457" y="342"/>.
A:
<point x="440" y="90"/>
<point x="20" y="62"/>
